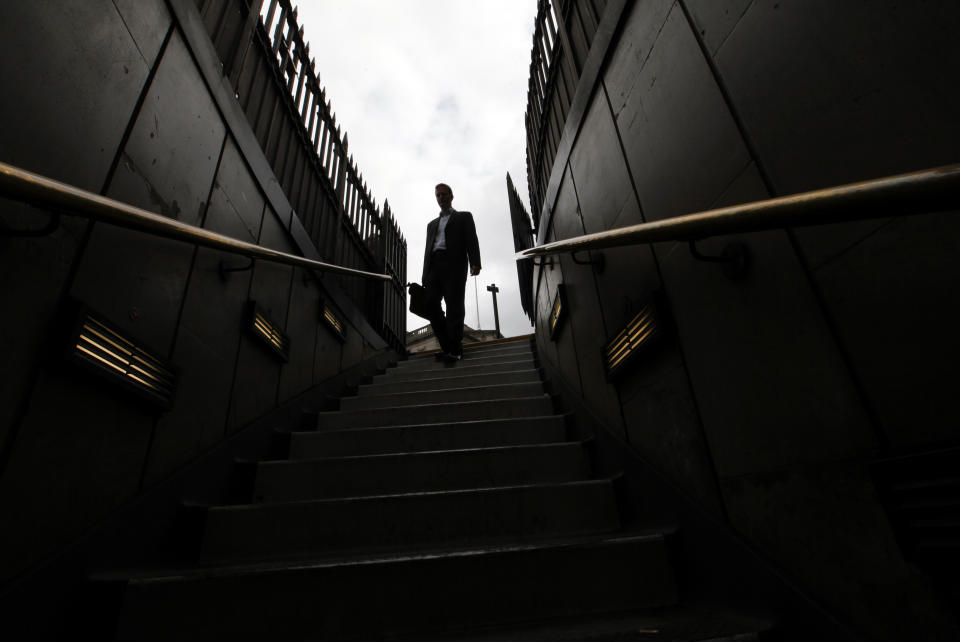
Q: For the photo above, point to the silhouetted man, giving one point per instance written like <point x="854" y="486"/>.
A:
<point x="451" y="245"/>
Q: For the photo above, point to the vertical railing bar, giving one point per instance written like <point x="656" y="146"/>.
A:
<point x="278" y="30"/>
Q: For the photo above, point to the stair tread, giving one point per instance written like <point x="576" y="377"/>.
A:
<point x="404" y="595"/>
<point x="505" y="386"/>
<point x="448" y="469"/>
<point x="522" y="365"/>
<point x="455" y="369"/>
<point x="692" y="623"/>
<point x="455" y="394"/>
<point x="436" y="412"/>
<point x="485" y="356"/>
<point x="463" y="423"/>
<point x="500" y="347"/>
<point x="425" y="493"/>
<point x="432" y="405"/>
<point x="468" y="362"/>
<point x="421" y="453"/>
<point x="168" y="573"/>
<point x="421" y="437"/>
<point x="381" y="382"/>
<point x="300" y="528"/>
<point x="486" y="346"/>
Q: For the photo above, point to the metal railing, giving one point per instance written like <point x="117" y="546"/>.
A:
<point x="522" y="240"/>
<point x="268" y="64"/>
<point x="563" y="33"/>
<point x="22" y="185"/>
<point x="919" y="192"/>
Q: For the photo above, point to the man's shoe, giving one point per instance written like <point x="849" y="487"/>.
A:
<point x="450" y="357"/>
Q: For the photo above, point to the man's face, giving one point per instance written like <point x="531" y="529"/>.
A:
<point x="444" y="197"/>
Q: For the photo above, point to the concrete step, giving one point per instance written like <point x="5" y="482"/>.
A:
<point x="443" y="382"/>
<point x="429" y="363"/>
<point x="436" y="413"/>
<point x="458" y="369"/>
<point x="468" y="351"/>
<point x="674" y="623"/>
<point x="406" y="522"/>
<point x="445" y="394"/>
<point x="279" y="481"/>
<point x="405" y="595"/>
<point x="442" y="436"/>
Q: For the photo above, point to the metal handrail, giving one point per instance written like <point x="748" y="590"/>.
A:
<point x="918" y="192"/>
<point x="23" y="185"/>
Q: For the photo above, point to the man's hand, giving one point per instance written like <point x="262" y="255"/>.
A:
<point x="474" y="270"/>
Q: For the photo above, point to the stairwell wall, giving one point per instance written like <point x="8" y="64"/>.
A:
<point x="772" y="393"/>
<point x="123" y="98"/>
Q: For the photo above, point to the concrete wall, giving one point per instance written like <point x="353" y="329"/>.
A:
<point x="771" y="394"/>
<point x="125" y="99"/>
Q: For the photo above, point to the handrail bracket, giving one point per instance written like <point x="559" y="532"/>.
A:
<point x="734" y="259"/>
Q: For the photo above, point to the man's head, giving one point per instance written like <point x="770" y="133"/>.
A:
<point x="444" y="195"/>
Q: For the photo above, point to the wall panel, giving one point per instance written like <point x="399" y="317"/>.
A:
<point x="680" y="140"/>
<point x="75" y="449"/>
<point x="834" y="348"/>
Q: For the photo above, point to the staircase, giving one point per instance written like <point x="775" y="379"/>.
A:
<point x="443" y="501"/>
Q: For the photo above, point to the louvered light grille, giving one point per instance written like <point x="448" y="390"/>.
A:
<point x="268" y="332"/>
<point x="102" y="349"/>
<point x="558" y="311"/>
<point x="638" y="332"/>
<point x="333" y="321"/>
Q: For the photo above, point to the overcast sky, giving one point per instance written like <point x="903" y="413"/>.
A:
<point x="434" y="91"/>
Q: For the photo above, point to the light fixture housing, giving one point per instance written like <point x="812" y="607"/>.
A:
<point x="639" y="334"/>
<point x="267" y="331"/>
<point x="97" y="346"/>
<point x="558" y="312"/>
<point x="332" y="320"/>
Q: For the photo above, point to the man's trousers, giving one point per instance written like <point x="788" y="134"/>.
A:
<point x="447" y="282"/>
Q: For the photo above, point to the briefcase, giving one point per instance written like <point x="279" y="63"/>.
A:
<point x="418" y="300"/>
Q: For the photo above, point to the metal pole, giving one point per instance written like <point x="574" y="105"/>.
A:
<point x="496" y="314"/>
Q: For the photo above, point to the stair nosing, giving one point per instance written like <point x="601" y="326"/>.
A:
<point x="460" y="376"/>
<point x="464" y="422"/>
<point x="351" y="559"/>
<point x="279" y="463"/>
<point x="329" y="413"/>
<point x="227" y="508"/>
<point x="427" y="392"/>
<point x="466" y="363"/>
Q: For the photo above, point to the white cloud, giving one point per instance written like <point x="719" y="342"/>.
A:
<point x="430" y="91"/>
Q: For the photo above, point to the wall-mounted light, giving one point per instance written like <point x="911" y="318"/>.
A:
<point x="98" y="347"/>
<point x="558" y="311"/>
<point x="267" y="331"/>
<point x="332" y="320"/>
<point x="639" y="332"/>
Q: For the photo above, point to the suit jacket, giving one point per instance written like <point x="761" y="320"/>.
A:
<point x="461" y="238"/>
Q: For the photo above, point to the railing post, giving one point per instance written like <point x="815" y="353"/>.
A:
<point x="246" y="39"/>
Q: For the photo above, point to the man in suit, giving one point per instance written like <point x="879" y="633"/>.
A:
<point x="451" y="245"/>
